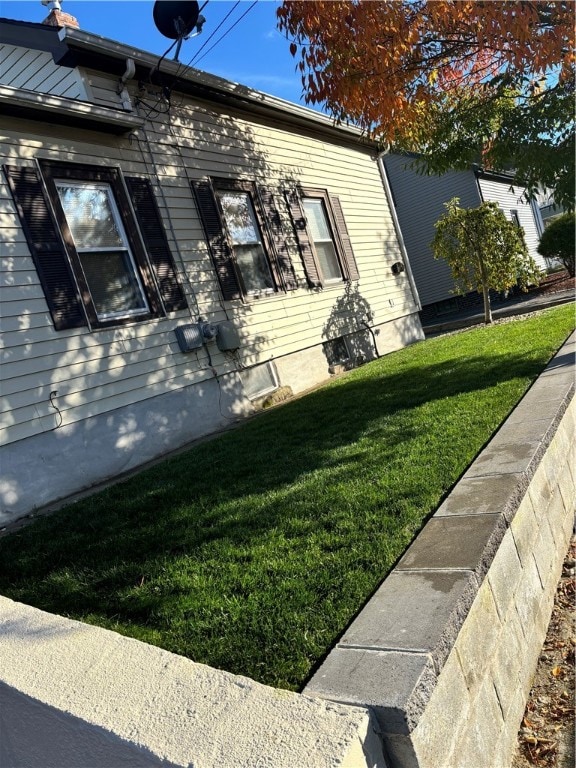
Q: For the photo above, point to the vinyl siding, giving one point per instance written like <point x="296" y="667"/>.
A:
<point x="512" y="198"/>
<point x="96" y="372"/>
<point x="419" y="204"/>
<point x="36" y="71"/>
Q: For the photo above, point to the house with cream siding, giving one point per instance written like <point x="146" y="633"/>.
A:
<point x="419" y="204"/>
<point x="175" y="248"/>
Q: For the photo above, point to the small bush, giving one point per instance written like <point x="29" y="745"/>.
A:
<point x="557" y="241"/>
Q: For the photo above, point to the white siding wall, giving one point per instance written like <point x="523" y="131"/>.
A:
<point x="36" y="71"/>
<point x="512" y="198"/>
<point x="97" y="372"/>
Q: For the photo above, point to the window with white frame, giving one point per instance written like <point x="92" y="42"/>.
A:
<point x="323" y="240"/>
<point x="103" y="249"/>
<point x="98" y="243"/>
<point x="260" y="380"/>
<point x="246" y="240"/>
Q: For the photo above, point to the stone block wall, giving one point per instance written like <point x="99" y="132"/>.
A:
<point x="444" y="653"/>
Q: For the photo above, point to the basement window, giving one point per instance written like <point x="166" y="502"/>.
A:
<point x="336" y="351"/>
<point x="260" y="380"/>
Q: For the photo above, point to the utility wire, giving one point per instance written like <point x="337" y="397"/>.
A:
<point x="167" y="90"/>
<point x="205" y="43"/>
<point x="195" y="60"/>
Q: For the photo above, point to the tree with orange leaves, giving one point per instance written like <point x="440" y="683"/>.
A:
<point x="457" y="81"/>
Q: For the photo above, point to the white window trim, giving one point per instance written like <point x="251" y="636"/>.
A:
<point x="127" y="313"/>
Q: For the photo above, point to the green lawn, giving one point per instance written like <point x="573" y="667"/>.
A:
<point x="253" y="551"/>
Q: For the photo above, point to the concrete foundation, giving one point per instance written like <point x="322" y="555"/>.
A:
<point x="56" y="464"/>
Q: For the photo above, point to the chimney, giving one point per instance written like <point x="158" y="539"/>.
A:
<point x="57" y="18"/>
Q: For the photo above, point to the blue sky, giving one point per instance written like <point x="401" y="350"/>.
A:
<point x="253" y="52"/>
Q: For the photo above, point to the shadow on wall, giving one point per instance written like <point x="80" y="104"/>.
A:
<point x="350" y="338"/>
<point x="94" y="390"/>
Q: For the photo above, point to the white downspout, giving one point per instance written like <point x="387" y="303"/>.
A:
<point x="403" y="251"/>
<point x="122" y="90"/>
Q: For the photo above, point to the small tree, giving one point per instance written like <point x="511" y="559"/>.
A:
<point x="557" y="241"/>
<point x="484" y="251"/>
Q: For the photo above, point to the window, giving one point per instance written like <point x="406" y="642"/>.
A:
<point x="246" y="240"/>
<point x="246" y="237"/>
<point x="251" y="242"/>
<point x="98" y="244"/>
<point x="323" y="237"/>
<point x="260" y="380"/>
<point x="336" y="350"/>
<point x="103" y="250"/>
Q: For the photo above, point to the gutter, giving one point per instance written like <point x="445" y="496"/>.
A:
<point x="392" y="206"/>
<point x="94" y="51"/>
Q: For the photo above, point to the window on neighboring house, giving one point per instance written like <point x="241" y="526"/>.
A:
<point x="323" y="237"/>
<point x="514" y="218"/>
<point x="98" y="244"/>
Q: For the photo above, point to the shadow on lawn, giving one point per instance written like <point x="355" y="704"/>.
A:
<point x="198" y="496"/>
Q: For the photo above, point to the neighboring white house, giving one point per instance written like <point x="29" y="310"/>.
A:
<point x="174" y="247"/>
<point x="419" y="202"/>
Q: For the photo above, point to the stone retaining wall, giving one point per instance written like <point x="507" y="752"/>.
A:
<point x="445" y="651"/>
<point x="436" y="669"/>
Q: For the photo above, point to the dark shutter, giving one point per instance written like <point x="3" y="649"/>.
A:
<point x="156" y="243"/>
<point x="348" y="254"/>
<point x="47" y="248"/>
<point x="299" y="222"/>
<point x="219" y="247"/>
<point x="279" y="238"/>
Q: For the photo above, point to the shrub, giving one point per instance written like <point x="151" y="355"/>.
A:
<point x="557" y="241"/>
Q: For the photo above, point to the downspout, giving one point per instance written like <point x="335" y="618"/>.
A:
<point x="537" y="216"/>
<point x="403" y="251"/>
<point x="122" y="91"/>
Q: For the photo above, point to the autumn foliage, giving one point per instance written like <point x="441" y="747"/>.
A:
<point x="420" y="74"/>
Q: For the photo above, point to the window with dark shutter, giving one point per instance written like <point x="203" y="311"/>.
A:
<point x="156" y="243"/>
<point x="220" y="250"/>
<point x="348" y="258"/>
<point x="323" y="237"/>
<point x="306" y="250"/>
<point x="47" y="249"/>
<point x="278" y="238"/>
<point x="97" y="268"/>
<point x="247" y="243"/>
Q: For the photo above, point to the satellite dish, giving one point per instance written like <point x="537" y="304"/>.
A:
<point x="175" y="18"/>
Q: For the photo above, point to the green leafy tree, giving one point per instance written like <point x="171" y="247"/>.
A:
<point x="484" y="251"/>
<point x="557" y="241"/>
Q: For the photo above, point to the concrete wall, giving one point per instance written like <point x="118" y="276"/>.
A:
<point x="76" y="696"/>
<point x="434" y="672"/>
<point x="445" y="651"/>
